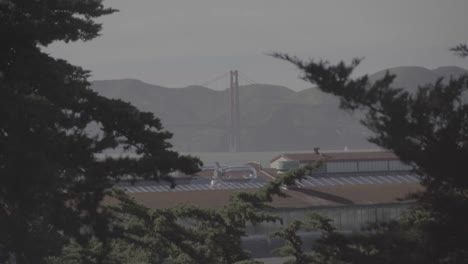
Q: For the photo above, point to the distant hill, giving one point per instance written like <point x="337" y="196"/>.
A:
<point x="410" y="77"/>
<point x="273" y="118"/>
<point x="450" y="72"/>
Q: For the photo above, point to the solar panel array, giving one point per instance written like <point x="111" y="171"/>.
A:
<point x="356" y="179"/>
<point x="195" y="187"/>
<point x="204" y="185"/>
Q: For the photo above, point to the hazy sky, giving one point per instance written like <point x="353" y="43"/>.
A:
<point x="177" y="43"/>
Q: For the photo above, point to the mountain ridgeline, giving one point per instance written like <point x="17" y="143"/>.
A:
<point x="273" y="118"/>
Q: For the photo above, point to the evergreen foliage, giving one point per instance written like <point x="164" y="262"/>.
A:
<point x="183" y="234"/>
<point x="53" y="127"/>
<point x="461" y="50"/>
<point x="428" y="130"/>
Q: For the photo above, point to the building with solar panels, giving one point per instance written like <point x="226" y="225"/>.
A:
<point x="343" y="176"/>
<point x="352" y="188"/>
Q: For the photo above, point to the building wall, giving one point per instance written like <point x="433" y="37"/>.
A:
<point x="342" y="166"/>
<point x="345" y="218"/>
<point x="396" y="165"/>
<point x="362" y="166"/>
<point x="373" y="165"/>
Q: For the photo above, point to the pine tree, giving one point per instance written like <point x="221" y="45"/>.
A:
<point x="183" y="234"/>
<point x="427" y="130"/>
<point x="53" y="127"/>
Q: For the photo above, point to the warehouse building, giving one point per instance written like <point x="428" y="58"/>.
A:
<point x="348" y="181"/>
<point x="342" y="162"/>
<point x="352" y="188"/>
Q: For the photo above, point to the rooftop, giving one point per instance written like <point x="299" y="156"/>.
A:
<point x="350" y="189"/>
<point x="335" y="156"/>
<point x="298" y="197"/>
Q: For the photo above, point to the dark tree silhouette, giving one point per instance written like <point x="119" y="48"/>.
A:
<point x="53" y="127"/>
<point x="461" y="50"/>
<point x="183" y="234"/>
<point x="428" y="130"/>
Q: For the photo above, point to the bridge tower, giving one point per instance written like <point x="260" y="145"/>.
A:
<point x="234" y="135"/>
